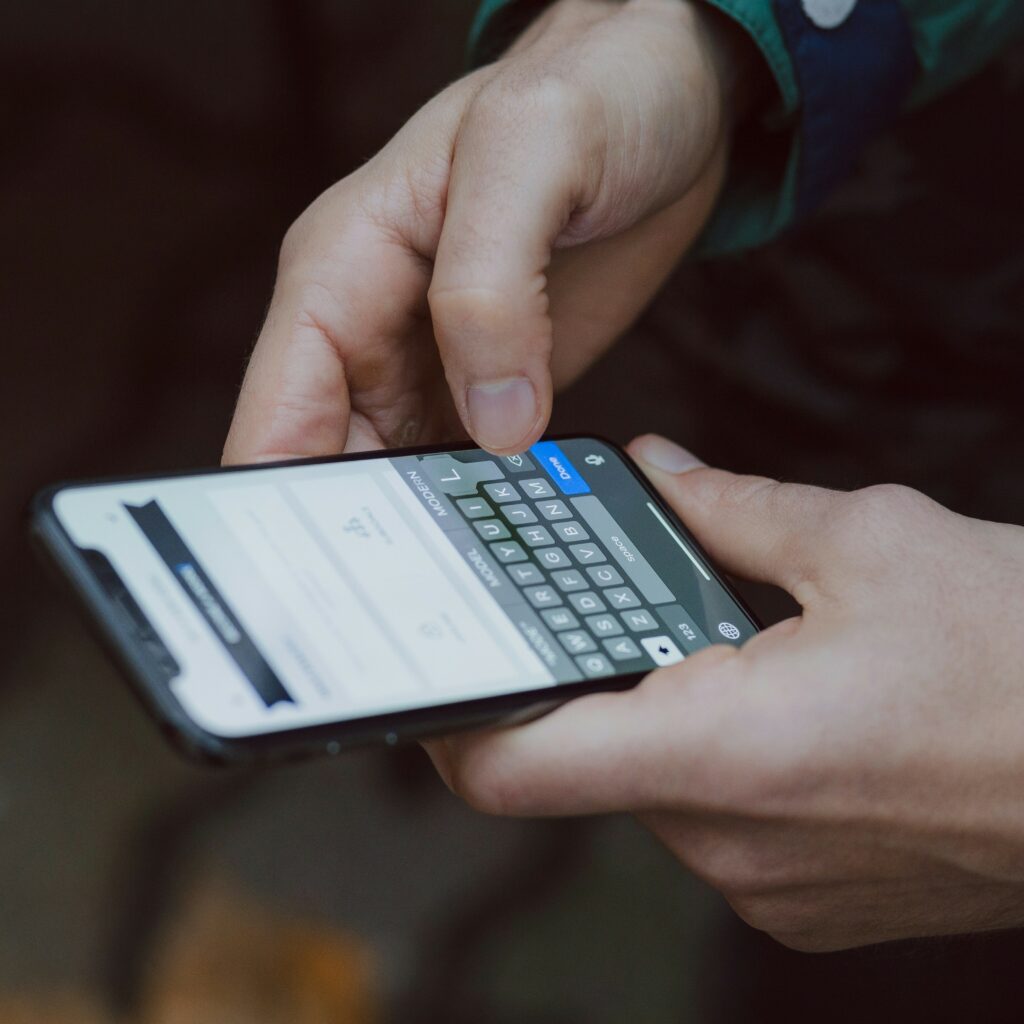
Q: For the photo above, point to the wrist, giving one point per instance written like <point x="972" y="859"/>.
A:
<point x="562" y="19"/>
<point x="735" y="61"/>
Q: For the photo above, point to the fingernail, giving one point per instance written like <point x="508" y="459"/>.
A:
<point x="660" y="453"/>
<point x="501" y="411"/>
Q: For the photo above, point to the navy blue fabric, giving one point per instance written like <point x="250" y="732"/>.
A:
<point x="853" y="80"/>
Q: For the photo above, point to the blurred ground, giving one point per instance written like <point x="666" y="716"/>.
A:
<point x="153" y="156"/>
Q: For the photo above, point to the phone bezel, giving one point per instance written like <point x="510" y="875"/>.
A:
<point x="331" y="737"/>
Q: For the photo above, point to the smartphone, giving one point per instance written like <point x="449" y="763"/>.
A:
<point x="275" y="611"/>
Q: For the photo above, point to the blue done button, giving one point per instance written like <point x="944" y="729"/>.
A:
<point x="559" y="468"/>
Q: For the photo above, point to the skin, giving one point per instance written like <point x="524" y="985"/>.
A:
<point x="849" y="776"/>
<point x="500" y="242"/>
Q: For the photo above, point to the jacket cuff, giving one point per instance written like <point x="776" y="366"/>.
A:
<point x="496" y="26"/>
<point x="842" y="69"/>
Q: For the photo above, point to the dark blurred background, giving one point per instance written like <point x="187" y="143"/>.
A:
<point x="153" y="156"/>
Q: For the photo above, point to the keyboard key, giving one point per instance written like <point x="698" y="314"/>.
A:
<point x="535" y="536"/>
<point x="525" y="575"/>
<point x="622" y="649"/>
<point x="577" y="642"/>
<point x="604" y="575"/>
<point x="502" y="493"/>
<point x="474" y="508"/>
<point x="588" y="603"/>
<point x="552" y="558"/>
<point x="639" y="620"/>
<point x="558" y="466"/>
<point x="662" y="650"/>
<point x="485" y="566"/>
<point x="637" y="569"/>
<point x="560" y="618"/>
<point x="595" y="665"/>
<point x="519" y="514"/>
<point x="604" y="625"/>
<point x="542" y="597"/>
<point x="492" y="529"/>
<point x="571" y="533"/>
<point x="682" y="628"/>
<point x="455" y="478"/>
<point x="520" y="463"/>
<point x="622" y="597"/>
<point x="554" y="510"/>
<point x="508" y="551"/>
<point x="537" y="489"/>
<point x="586" y="554"/>
<point x="569" y="579"/>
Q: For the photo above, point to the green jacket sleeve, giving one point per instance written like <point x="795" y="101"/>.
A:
<point x="843" y="69"/>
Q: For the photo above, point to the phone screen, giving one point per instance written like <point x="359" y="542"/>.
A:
<point x="303" y="594"/>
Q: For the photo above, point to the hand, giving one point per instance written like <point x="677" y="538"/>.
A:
<point x="849" y="776"/>
<point x="521" y="220"/>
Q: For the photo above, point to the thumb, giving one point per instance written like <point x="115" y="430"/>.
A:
<point x="754" y="527"/>
<point x="510" y="195"/>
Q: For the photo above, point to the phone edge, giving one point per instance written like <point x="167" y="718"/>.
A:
<point x="52" y="540"/>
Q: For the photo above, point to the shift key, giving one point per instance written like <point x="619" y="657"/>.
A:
<point x="623" y="550"/>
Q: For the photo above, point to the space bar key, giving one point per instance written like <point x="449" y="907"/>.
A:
<point x="623" y="550"/>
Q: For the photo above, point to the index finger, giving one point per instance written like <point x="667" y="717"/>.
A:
<point x="346" y="295"/>
<point x="294" y="399"/>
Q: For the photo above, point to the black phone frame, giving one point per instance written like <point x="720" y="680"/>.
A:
<point x="53" y="542"/>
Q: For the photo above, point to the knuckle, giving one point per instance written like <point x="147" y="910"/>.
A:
<point x="773" y="500"/>
<point x="467" y="302"/>
<point x="887" y="500"/>
<point x="469" y="310"/>
<point x="788" y="917"/>
<point x="717" y="493"/>
<point x="764" y="781"/>
<point x="315" y="316"/>
<point x="293" y="244"/>
<point x="520" y="96"/>
<point x="483" y="316"/>
<point x="743" y="490"/>
<point x="754" y="910"/>
<point x="810" y="941"/>
<point x="480" y="783"/>
<point x="733" y="868"/>
<point x="879" y="515"/>
<point x="763" y="774"/>
<point x="326" y="227"/>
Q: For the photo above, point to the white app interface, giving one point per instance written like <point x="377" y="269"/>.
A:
<point x="298" y="595"/>
<point x="309" y="594"/>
